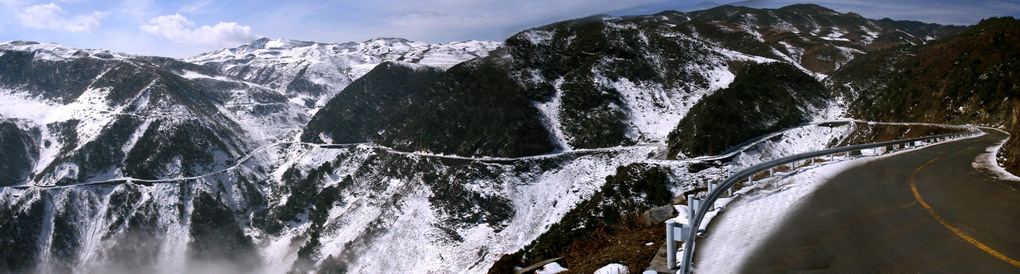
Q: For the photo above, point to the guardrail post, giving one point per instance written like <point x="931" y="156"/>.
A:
<point x="671" y="244"/>
<point x="690" y="206"/>
<point x="697" y="204"/>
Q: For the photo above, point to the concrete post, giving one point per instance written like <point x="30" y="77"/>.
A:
<point x="670" y="244"/>
<point x="690" y="207"/>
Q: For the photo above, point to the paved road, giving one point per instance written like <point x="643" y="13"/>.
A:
<point x="926" y="211"/>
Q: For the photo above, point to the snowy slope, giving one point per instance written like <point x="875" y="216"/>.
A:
<point x="97" y="115"/>
<point x="311" y="73"/>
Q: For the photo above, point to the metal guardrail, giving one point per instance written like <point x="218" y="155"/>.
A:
<point x="689" y="234"/>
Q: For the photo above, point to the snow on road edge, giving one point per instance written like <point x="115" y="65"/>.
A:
<point x="987" y="161"/>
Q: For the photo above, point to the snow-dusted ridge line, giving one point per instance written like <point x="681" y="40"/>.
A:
<point x="58" y="52"/>
<point x="309" y="72"/>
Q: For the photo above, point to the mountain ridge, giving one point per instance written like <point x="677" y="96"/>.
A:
<point x="312" y="72"/>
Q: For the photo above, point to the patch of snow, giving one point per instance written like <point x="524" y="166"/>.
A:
<point x="191" y="75"/>
<point x="740" y="56"/>
<point x="870" y="36"/>
<point x="551" y="117"/>
<point x="275" y="43"/>
<point x="795" y="53"/>
<point x="720" y="78"/>
<point x="537" y="37"/>
<point x="551" y="268"/>
<point x="793" y="62"/>
<point x="835" y="34"/>
<point x="23" y="106"/>
<point x="988" y="161"/>
<point x="613" y="268"/>
<point x="654" y="111"/>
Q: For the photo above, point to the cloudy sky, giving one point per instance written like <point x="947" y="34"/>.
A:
<point x="188" y="27"/>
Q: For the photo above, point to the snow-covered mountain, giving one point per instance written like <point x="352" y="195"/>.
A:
<point x="311" y="73"/>
<point x="96" y="115"/>
<point x="123" y="163"/>
<point x="604" y="81"/>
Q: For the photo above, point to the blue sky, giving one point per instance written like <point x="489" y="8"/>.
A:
<point x="185" y="28"/>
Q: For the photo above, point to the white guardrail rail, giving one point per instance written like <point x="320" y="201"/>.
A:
<point x="687" y="234"/>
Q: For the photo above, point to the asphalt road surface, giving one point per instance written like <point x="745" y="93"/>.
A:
<point x="925" y="211"/>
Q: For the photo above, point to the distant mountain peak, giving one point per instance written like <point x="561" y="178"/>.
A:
<point x="54" y="52"/>
<point x="312" y="72"/>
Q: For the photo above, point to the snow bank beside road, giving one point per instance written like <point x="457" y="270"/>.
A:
<point x="751" y="219"/>
<point x="988" y="161"/>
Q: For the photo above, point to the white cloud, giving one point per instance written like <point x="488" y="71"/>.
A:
<point x="178" y="28"/>
<point x="52" y="17"/>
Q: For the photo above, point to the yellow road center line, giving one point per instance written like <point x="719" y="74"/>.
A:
<point x="957" y="231"/>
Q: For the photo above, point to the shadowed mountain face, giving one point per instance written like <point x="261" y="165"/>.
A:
<point x="20" y="153"/>
<point x="365" y="107"/>
<point x="764" y="98"/>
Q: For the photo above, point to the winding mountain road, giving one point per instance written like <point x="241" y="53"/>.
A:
<point x="921" y="211"/>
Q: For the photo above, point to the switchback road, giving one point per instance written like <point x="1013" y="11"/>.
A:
<point x="924" y="211"/>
